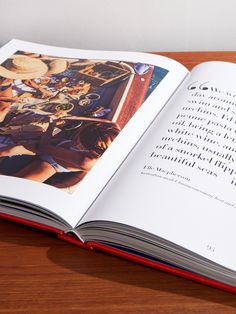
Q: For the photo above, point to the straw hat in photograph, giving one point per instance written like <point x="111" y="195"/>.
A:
<point x="57" y="66"/>
<point x="23" y="68"/>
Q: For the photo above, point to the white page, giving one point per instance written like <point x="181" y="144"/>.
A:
<point x="188" y="199"/>
<point x="72" y="206"/>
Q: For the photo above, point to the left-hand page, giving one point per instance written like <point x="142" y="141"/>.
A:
<point x="61" y="108"/>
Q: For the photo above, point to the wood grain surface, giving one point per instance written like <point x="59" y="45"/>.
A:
<point x="40" y="274"/>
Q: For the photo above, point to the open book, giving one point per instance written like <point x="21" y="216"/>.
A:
<point x="126" y="152"/>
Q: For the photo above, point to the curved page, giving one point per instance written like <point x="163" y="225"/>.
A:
<point x="62" y="108"/>
<point x="179" y="182"/>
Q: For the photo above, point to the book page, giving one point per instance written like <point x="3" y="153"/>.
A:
<point x="180" y="181"/>
<point x="62" y="108"/>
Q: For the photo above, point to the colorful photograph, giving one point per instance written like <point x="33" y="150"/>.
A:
<point x="59" y="115"/>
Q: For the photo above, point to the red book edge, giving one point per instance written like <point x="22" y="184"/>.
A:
<point x="122" y="254"/>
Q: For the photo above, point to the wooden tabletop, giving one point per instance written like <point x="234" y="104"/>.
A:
<point x="41" y="274"/>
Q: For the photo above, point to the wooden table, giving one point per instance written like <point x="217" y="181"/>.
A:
<point x="40" y="274"/>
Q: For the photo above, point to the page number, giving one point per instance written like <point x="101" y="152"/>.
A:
<point x="210" y="248"/>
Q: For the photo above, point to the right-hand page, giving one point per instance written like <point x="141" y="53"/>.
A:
<point x="180" y="181"/>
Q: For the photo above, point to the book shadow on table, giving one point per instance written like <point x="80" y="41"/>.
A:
<point x="115" y="269"/>
<point x="104" y="266"/>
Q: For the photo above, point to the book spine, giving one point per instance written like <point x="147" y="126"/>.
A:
<point x="73" y="240"/>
